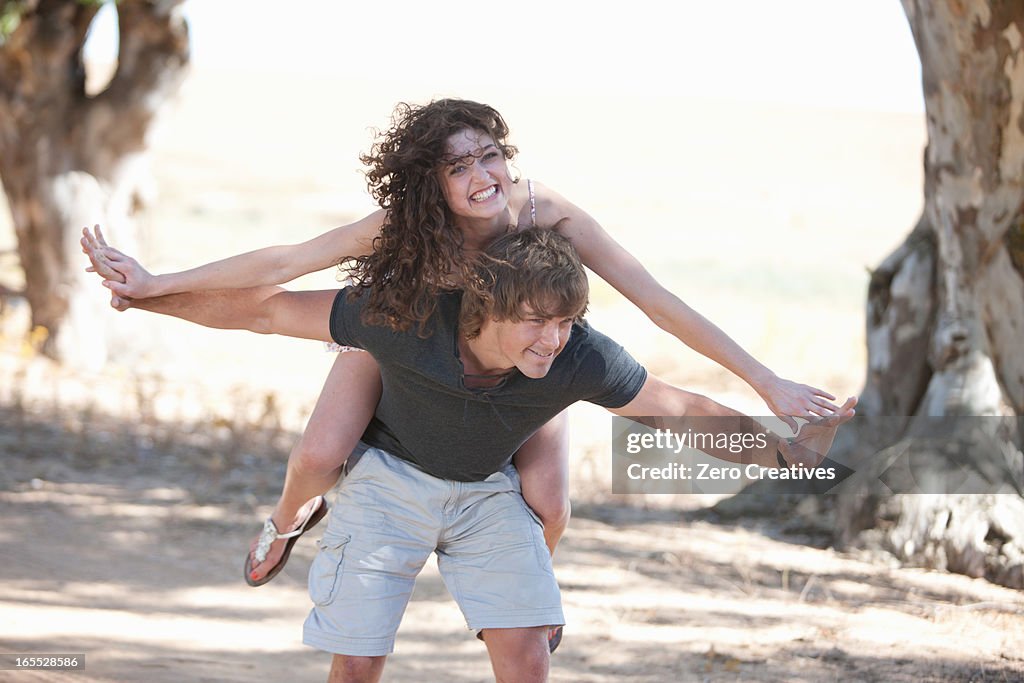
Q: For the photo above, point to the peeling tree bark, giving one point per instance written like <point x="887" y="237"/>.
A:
<point x="945" y="319"/>
<point x="67" y="159"/>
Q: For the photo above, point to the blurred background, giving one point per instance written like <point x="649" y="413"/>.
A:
<point x="757" y="159"/>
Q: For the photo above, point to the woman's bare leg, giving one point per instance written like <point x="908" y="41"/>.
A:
<point x="345" y="406"/>
<point x="543" y="464"/>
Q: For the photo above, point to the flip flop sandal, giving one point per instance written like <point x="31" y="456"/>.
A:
<point x="554" y="638"/>
<point x="271" y="534"/>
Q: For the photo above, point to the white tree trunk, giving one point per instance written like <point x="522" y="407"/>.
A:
<point x="946" y="310"/>
<point x="69" y="160"/>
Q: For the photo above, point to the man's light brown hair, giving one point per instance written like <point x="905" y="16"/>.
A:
<point x="536" y="268"/>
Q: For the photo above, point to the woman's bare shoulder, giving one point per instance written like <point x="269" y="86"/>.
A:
<point x="554" y="210"/>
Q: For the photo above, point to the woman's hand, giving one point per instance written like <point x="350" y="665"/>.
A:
<point x="122" y="275"/>
<point x="790" y="400"/>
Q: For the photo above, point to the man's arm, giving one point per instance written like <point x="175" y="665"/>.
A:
<point x="265" y="310"/>
<point x="658" y="398"/>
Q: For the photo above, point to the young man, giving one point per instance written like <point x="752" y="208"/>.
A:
<point x="494" y="364"/>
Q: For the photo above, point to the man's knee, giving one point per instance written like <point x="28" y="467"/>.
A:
<point x="518" y="655"/>
<point x="352" y="669"/>
<point x="531" y="668"/>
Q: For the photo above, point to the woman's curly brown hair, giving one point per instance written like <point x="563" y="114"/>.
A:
<point x="419" y="249"/>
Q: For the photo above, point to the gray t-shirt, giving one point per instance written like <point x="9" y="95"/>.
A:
<point x="427" y="416"/>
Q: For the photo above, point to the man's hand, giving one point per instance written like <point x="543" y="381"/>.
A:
<point x="789" y="400"/>
<point x="121" y="274"/>
<point x="811" y="445"/>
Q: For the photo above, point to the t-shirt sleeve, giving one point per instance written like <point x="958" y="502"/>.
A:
<point x="346" y="326"/>
<point x="608" y="375"/>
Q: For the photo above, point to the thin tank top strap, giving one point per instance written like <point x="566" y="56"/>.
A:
<point x="533" y="203"/>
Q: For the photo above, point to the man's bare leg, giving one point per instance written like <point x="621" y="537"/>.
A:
<point x="345" y="406"/>
<point x="518" y="655"/>
<point x="351" y="669"/>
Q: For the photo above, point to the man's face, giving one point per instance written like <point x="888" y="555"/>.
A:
<point x="530" y="344"/>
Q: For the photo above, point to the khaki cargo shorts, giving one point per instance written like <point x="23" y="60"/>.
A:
<point x="388" y="518"/>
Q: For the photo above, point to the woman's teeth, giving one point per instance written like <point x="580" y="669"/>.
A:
<point x="484" y="194"/>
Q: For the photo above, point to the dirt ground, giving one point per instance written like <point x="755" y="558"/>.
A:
<point x="133" y="562"/>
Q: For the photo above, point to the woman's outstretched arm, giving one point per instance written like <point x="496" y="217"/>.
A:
<point x="624" y="272"/>
<point x="268" y="266"/>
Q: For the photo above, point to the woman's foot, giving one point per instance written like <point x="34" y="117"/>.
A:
<point x="268" y="552"/>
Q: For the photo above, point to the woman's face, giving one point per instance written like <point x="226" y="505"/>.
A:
<point x="474" y="176"/>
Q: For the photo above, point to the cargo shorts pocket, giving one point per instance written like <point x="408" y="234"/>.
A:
<point x="326" y="569"/>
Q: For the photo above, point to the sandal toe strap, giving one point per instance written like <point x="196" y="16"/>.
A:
<point x="271" y="534"/>
<point x="267" y="536"/>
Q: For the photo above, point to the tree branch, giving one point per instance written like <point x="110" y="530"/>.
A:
<point x="153" y="53"/>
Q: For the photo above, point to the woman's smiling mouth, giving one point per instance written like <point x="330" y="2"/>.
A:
<point x="484" y="195"/>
